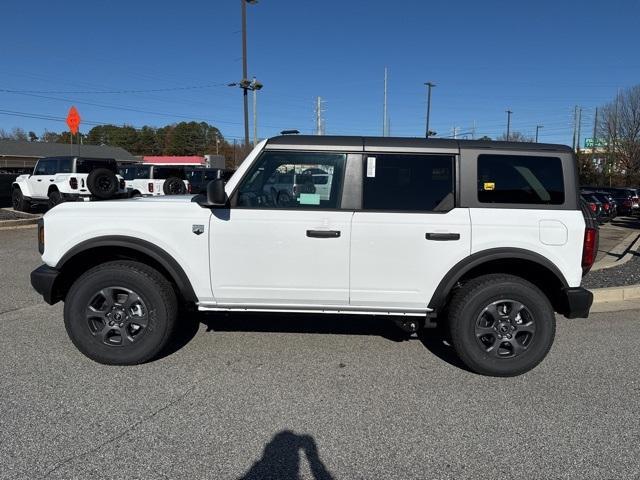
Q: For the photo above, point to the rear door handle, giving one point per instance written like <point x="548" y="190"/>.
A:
<point x="51" y="180"/>
<point x="442" y="236"/>
<point x="323" y="233"/>
<point x="39" y="180"/>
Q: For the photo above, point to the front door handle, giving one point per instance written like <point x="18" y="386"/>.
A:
<point x="323" y="233"/>
<point x="39" y="180"/>
<point x="51" y="180"/>
<point x="442" y="236"/>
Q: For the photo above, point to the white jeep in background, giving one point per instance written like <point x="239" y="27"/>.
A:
<point x="61" y="179"/>
<point x="151" y="180"/>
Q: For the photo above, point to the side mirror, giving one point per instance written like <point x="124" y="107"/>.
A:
<point x="215" y="196"/>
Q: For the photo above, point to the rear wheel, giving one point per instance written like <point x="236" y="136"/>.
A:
<point x="19" y="203"/>
<point x="121" y="313"/>
<point x="501" y="325"/>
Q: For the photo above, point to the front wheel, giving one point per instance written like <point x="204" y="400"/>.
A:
<point x="121" y="313"/>
<point x="501" y="325"/>
<point x="19" y="203"/>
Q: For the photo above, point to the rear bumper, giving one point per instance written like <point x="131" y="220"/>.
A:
<point x="577" y="302"/>
<point x="43" y="280"/>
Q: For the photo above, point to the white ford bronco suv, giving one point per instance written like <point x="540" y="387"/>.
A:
<point x="487" y="237"/>
<point x="62" y="179"/>
<point x="153" y="180"/>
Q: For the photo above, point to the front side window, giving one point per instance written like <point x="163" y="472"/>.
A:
<point x="46" y="167"/>
<point x="293" y="180"/>
<point x="524" y="179"/>
<point x="408" y="182"/>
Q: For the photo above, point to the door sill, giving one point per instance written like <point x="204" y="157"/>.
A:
<point x="335" y="309"/>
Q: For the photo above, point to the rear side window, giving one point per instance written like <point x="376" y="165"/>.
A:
<point x="408" y="182"/>
<point x="162" y="173"/>
<point x="87" y="165"/>
<point x="520" y="179"/>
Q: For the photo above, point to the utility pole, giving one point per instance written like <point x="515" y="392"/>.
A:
<point x="538" y="127"/>
<point x="244" y="83"/>
<point x="384" y="106"/>
<point x="255" y="86"/>
<point x="579" y="128"/>
<point x="429" y="85"/>
<point x="509" y="112"/>
<point x="473" y="131"/>
<point x="455" y="131"/>
<point x="575" y="126"/>
<point x="319" y="119"/>
<point x="594" y="139"/>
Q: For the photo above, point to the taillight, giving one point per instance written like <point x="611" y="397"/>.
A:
<point x="589" y="247"/>
<point x="151" y="187"/>
<point x="73" y="183"/>
<point x="606" y="206"/>
<point x="122" y="184"/>
<point x="593" y="207"/>
<point x="627" y="203"/>
<point x="189" y="188"/>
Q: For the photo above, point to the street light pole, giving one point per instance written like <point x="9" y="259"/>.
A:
<point x="429" y="86"/>
<point x="509" y="112"/>
<point x="538" y="127"/>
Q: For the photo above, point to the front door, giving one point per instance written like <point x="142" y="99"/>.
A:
<point x="43" y="176"/>
<point x="409" y="233"/>
<point x="282" y="241"/>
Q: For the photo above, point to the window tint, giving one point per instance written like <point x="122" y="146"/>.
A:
<point x="408" y="182"/>
<point x="520" y="179"/>
<point x="163" y="173"/>
<point x="87" y="165"/>
<point x="46" y="167"/>
<point x="293" y="180"/>
<point x="65" y="165"/>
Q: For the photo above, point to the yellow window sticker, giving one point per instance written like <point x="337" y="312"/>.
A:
<point x="489" y="185"/>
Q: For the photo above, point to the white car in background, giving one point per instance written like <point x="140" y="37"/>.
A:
<point x="151" y="180"/>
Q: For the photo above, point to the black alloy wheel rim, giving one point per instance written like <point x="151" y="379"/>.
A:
<point x="505" y="329"/>
<point x="174" y="188"/>
<point x="103" y="182"/>
<point x="117" y="316"/>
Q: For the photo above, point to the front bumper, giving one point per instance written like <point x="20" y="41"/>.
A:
<point x="43" y="280"/>
<point x="577" y="302"/>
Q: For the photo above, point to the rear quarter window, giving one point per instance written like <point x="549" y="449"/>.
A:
<point x="523" y="179"/>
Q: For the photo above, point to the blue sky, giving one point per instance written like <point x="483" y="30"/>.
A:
<point x="538" y="59"/>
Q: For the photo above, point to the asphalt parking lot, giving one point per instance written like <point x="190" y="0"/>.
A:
<point x="286" y="397"/>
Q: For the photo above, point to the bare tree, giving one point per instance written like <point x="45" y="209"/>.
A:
<point x="515" y="137"/>
<point x="620" y="128"/>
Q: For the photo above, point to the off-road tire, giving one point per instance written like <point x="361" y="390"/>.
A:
<point x="154" y="290"/>
<point x="55" y="198"/>
<point x="465" y="310"/>
<point x="102" y="183"/>
<point x="18" y="202"/>
<point x="174" y="186"/>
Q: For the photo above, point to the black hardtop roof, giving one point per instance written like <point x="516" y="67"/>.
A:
<point x="360" y="143"/>
<point x="75" y="157"/>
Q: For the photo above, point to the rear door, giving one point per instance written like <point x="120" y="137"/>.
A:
<point x="275" y="247"/>
<point x="408" y="233"/>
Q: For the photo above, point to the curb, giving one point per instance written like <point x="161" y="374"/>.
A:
<point x="616" y="294"/>
<point x="623" y="251"/>
<point x="27" y="219"/>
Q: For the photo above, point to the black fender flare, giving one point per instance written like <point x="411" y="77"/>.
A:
<point x="472" y="261"/>
<point x="149" y="249"/>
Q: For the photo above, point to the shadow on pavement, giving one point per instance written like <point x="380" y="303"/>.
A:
<point x="281" y="459"/>
<point x="433" y="339"/>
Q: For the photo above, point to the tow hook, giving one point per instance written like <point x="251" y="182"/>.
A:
<point x="408" y="325"/>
